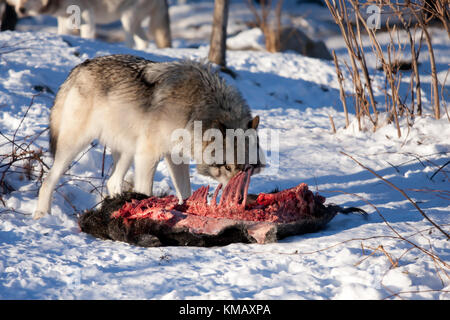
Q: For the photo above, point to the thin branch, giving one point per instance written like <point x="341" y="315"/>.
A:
<point x="401" y="191"/>
<point x="445" y="164"/>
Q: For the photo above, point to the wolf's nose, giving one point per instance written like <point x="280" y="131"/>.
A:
<point x="22" y="10"/>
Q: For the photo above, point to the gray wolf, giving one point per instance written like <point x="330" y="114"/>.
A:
<point x="130" y="12"/>
<point x="133" y="106"/>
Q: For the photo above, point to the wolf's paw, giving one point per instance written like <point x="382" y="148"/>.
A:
<point x="38" y="214"/>
<point x="114" y="189"/>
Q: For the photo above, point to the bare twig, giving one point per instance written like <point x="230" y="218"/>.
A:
<point x="440" y="168"/>
<point x="401" y="191"/>
<point x="422" y="23"/>
<point x="341" y="88"/>
<point x="333" y="127"/>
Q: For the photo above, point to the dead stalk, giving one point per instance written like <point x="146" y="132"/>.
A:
<point x="390" y="60"/>
<point x="380" y="248"/>
<point x="435" y="87"/>
<point x="333" y="127"/>
<point x="341" y="88"/>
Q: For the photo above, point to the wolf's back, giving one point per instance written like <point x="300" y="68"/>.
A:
<point x="190" y="89"/>
<point x="197" y="87"/>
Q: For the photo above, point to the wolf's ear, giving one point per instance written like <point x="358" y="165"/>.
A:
<point x="253" y="124"/>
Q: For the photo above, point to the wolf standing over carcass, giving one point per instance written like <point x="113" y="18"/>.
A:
<point x="133" y="106"/>
<point x="130" y="12"/>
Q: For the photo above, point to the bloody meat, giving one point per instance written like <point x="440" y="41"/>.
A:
<point x="282" y="207"/>
<point x="154" y="221"/>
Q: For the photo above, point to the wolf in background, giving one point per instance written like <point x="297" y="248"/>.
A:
<point x="130" y="12"/>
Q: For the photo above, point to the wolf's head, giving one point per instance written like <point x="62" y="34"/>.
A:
<point x="29" y="7"/>
<point x="240" y="150"/>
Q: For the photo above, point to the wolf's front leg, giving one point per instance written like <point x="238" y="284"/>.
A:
<point x="87" y="28"/>
<point x="180" y="177"/>
<point x="63" y="26"/>
<point x="122" y="163"/>
<point x="63" y="157"/>
<point x="145" y="167"/>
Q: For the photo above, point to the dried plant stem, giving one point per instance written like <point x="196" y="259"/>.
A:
<point x="351" y="31"/>
<point x="341" y="88"/>
<point x="434" y="80"/>
<point x="341" y="18"/>
<point x="394" y="92"/>
<point x="440" y="168"/>
<point x="333" y="127"/>
<point x="387" y="67"/>
<point x="415" y="65"/>
<point x="362" y="61"/>
<point x="397" y="294"/>
<point x="437" y="109"/>
<point x="103" y="161"/>
<point x="394" y="264"/>
<point x="21" y="152"/>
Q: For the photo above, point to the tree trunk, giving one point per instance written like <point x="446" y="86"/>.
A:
<point x="8" y="17"/>
<point x="219" y="33"/>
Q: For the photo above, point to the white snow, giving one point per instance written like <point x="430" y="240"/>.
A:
<point x="294" y="95"/>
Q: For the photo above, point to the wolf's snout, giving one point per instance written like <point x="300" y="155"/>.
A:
<point x="22" y="11"/>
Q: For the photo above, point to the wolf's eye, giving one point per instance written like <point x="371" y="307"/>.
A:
<point x="228" y="168"/>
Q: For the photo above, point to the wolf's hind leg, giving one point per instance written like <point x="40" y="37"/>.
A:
<point x="180" y="177"/>
<point x="122" y="162"/>
<point x="63" y="157"/>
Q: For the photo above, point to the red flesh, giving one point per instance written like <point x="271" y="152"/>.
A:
<point x="285" y="206"/>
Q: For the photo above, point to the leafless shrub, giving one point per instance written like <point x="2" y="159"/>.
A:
<point x="271" y="31"/>
<point x="341" y="88"/>
<point x="413" y="16"/>
<point x="23" y="157"/>
<point x="25" y="160"/>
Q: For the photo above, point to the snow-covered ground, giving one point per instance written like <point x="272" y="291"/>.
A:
<point x="294" y="95"/>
